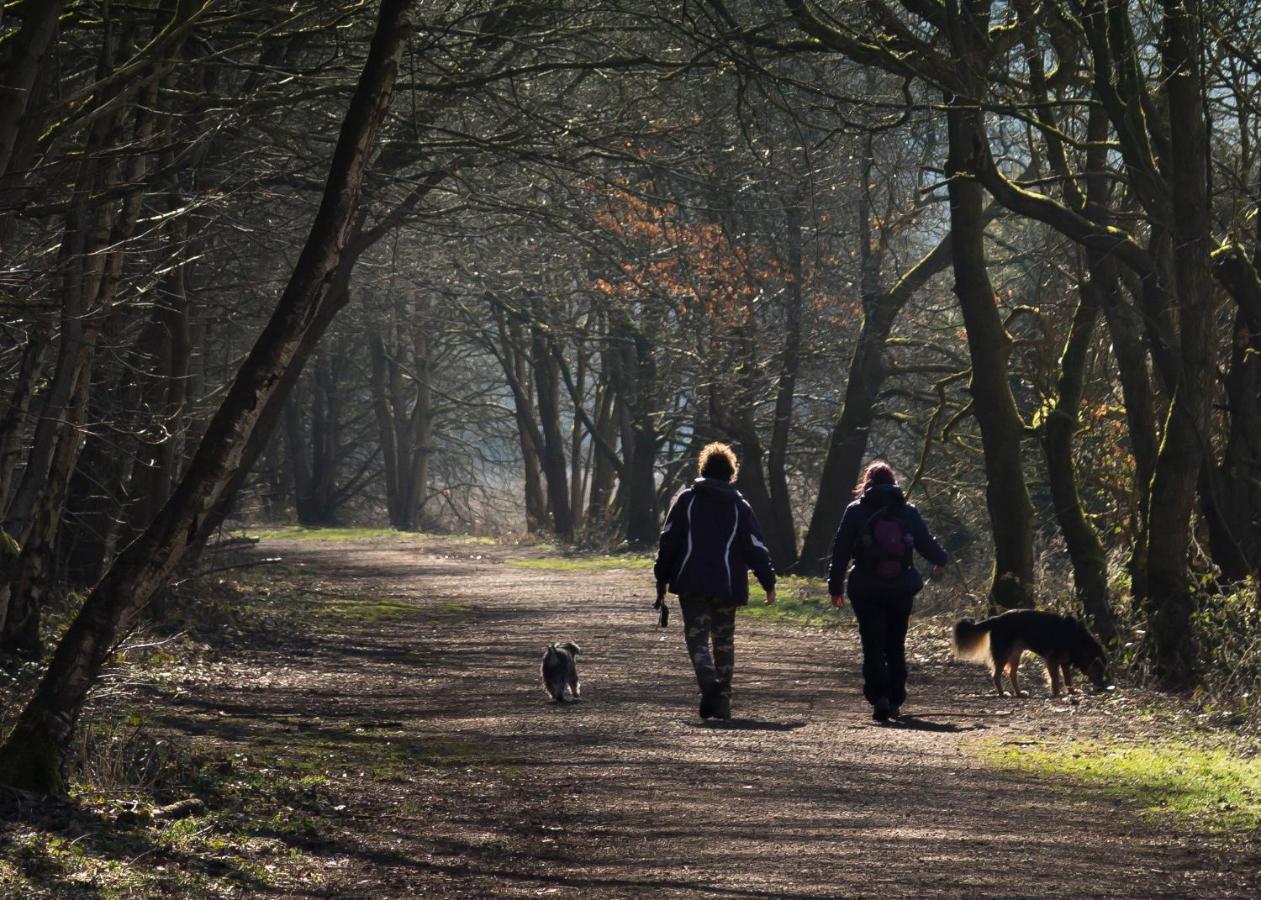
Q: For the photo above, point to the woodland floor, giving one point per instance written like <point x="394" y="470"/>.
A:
<point x="390" y="739"/>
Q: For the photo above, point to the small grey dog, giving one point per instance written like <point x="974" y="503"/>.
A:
<point x="560" y="669"/>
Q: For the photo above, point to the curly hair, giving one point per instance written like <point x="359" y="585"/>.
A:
<point x="718" y="461"/>
<point x="877" y="472"/>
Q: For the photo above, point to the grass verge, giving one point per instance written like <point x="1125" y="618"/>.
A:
<point x="583" y="563"/>
<point x="269" y="789"/>
<point x="337" y="535"/>
<point x="1209" y="789"/>
<point x="798" y="601"/>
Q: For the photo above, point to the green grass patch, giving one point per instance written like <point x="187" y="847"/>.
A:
<point x="584" y="563"/>
<point x="1212" y="789"/>
<point x="365" y="611"/>
<point x="798" y="601"/>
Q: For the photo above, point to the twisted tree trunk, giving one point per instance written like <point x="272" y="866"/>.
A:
<point x="989" y="345"/>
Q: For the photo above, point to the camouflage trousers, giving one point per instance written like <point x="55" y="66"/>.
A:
<point x="710" y="621"/>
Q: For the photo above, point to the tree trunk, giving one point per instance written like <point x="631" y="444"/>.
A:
<point x="994" y="407"/>
<point x="1085" y="550"/>
<point x="93" y="248"/>
<point x="634" y="378"/>
<point x="30" y="754"/>
<point x="31" y="583"/>
<point x="547" y="390"/>
<point x="20" y="60"/>
<point x="296" y="452"/>
<point x="639" y="492"/>
<point x="577" y="472"/>
<point x="160" y="456"/>
<point x="602" y="471"/>
<point x="82" y="259"/>
<point x="1232" y="501"/>
<point x="14" y="417"/>
<point x="1169" y="600"/>
<point x="512" y="360"/>
<point x="420" y="424"/>
<point x="739" y="424"/>
<point x="1125" y="330"/>
<point x="387" y="426"/>
<point x="777" y="459"/>
<point x="325" y="438"/>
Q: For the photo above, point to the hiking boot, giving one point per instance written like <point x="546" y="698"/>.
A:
<point x="882" y="710"/>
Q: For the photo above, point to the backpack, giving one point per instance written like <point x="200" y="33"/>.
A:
<point x="886" y="544"/>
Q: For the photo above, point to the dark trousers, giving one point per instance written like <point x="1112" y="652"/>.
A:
<point x="882" y="621"/>
<point x="706" y="621"/>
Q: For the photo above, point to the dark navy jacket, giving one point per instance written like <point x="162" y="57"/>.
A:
<point x="709" y="542"/>
<point x="846" y="546"/>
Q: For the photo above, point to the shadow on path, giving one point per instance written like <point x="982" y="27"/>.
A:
<point x="746" y="725"/>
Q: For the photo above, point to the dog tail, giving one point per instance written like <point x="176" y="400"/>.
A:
<point x="972" y="640"/>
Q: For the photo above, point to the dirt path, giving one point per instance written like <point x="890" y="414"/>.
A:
<point x="460" y="779"/>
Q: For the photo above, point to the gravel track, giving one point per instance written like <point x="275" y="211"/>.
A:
<point x="627" y="793"/>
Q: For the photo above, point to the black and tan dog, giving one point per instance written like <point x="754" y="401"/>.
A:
<point x="560" y="670"/>
<point x="1062" y="641"/>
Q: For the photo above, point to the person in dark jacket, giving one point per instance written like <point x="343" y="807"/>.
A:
<point x="709" y="542"/>
<point x="878" y="533"/>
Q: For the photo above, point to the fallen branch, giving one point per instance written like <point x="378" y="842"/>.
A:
<point x="245" y="565"/>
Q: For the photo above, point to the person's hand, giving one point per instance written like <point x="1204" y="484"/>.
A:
<point x="838" y="600"/>
<point x="661" y="593"/>
<point x="770" y="597"/>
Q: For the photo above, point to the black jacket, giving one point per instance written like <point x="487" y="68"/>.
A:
<point x="709" y="542"/>
<point x="846" y="546"/>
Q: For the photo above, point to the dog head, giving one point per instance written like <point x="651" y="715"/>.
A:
<point x="1088" y="656"/>
<point x="1097" y="672"/>
<point x="573" y="648"/>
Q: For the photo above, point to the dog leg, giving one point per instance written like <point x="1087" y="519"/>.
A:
<point x="1068" y="679"/>
<point x="998" y="680"/>
<point x="575" y="686"/>
<point x="1012" y="668"/>
<point x="1053" y="669"/>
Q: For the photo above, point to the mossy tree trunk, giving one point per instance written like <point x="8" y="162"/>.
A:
<point x="1170" y="599"/>
<point x="1085" y="550"/>
<point x="993" y="406"/>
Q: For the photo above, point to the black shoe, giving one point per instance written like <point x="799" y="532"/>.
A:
<point x="881" y="712"/>
<point x="722" y="707"/>
<point x="709" y="705"/>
